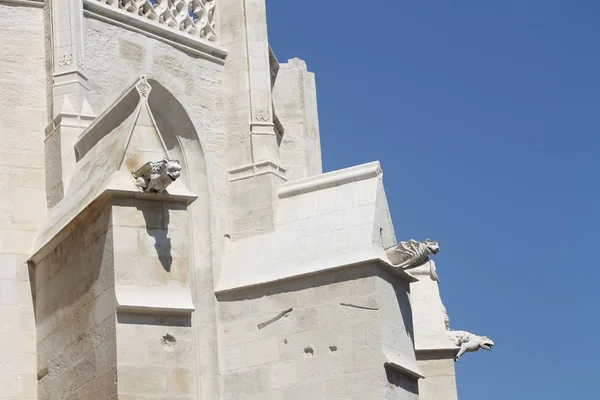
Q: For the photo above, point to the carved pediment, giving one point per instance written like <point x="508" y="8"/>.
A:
<point x="119" y="142"/>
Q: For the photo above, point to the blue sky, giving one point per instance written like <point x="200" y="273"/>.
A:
<point x="485" y="116"/>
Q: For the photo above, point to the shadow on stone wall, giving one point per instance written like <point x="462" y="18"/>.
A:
<point x="402" y="294"/>
<point x="162" y="242"/>
<point x="397" y="380"/>
<point x="141" y="319"/>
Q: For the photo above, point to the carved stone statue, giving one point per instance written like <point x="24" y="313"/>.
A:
<point x="156" y="176"/>
<point x="469" y="342"/>
<point x="413" y="254"/>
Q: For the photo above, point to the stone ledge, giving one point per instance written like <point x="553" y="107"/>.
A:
<point x="402" y="363"/>
<point x="319" y="269"/>
<point x="116" y="188"/>
<point x="167" y="300"/>
<point x="122" y="185"/>
<point x="404" y="370"/>
<point x="331" y="179"/>
<point x="260" y="168"/>
<point x="426" y="350"/>
<point x="433" y="341"/>
<point x="115" y="16"/>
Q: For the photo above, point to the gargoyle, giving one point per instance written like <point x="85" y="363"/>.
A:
<point x="156" y="176"/>
<point x="469" y="342"/>
<point x="413" y="254"/>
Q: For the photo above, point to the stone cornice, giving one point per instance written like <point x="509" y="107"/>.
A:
<point x="414" y="372"/>
<point x="356" y="263"/>
<point x="154" y="300"/>
<point x="260" y="168"/>
<point x="330" y="179"/>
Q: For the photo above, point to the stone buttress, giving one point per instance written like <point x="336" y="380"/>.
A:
<point x="113" y="294"/>
<point x="167" y="231"/>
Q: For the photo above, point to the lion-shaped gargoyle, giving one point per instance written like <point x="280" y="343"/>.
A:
<point x="154" y="177"/>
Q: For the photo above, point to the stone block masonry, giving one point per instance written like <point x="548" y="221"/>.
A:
<point x="253" y="276"/>
<point x="155" y="337"/>
<point x="22" y="190"/>
<point x="326" y="336"/>
<point x="75" y="314"/>
<point x="93" y="341"/>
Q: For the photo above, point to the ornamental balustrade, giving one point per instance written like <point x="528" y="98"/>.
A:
<point x="194" y="17"/>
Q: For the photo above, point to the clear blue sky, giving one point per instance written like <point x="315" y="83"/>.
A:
<point x="485" y="116"/>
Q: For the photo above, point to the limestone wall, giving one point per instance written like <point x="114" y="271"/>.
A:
<point x="440" y="383"/>
<point x="75" y="313"/>
<point x="295" y="98"/>
<point x="155" y="342"/>
<point x="115" y="57"/>
<point x="22" y="194"/>
<point x="313" y="338"/>
<point x="237" y="106"/>
<point x="155" y="354"/>
<point x="435" y="351"/>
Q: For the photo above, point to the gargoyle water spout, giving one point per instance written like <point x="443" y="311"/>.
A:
<point x="413" y="254"/>
<point x="469" y="342"/>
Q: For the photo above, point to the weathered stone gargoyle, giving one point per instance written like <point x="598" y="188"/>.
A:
<point x="156" y="176"/>
<point x="413" y="254"/>
<point x="469" y="342"/>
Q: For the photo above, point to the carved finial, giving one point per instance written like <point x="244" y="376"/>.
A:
<point x="413" y="254"/>
<point x="469" y="342"/>
<point x="86" y="109"/>
<point x="143" y="87"/>
<point x="156" y="176"/>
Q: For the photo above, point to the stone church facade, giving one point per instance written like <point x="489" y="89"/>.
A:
<point x="167" y="231"/>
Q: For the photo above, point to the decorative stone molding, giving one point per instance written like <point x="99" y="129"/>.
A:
<point x="186" y="24"/>
<point x="143" y="87"/>
<point x="469" y="342"/>
<point x="155" y="177"/>
<point x="64" y="60"/>
<point x="331" y="179"/>
<point x="413" y="254"/>
<point x="194" y="17"/>
<point x="263" y="116"/>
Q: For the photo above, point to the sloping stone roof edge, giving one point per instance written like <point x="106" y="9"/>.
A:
<point x="373" y="260"/>
<point x="331" y="179"/>
<point x="177" y="193"/>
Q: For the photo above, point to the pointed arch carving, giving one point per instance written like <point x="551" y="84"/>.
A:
<point x="181" y="136"/>
<point x="101" y="172"/>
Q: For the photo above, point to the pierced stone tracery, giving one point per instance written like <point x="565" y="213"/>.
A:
<point x="195" y="17"/>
